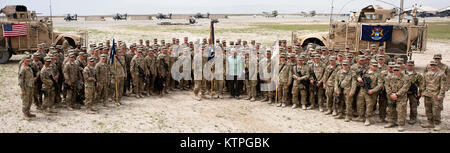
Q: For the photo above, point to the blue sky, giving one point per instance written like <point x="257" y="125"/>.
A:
<point x="107" y="7"/>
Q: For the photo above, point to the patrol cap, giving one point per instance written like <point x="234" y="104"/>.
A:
<point x="185" y="38"/>
<point x="373" y="63"/>
<point x="140" y="40"/>
<point x="433" y="63"/>
<point x="39" y="45"/>
<point x="332" y="58"/>
<point x="317" y="56"/>
<point x="347" y="47"/>
<point x="58" y="46"/>
<point x="282" y="55"/>
<point x="72" y="55"/>
<point x="324" y="49"/>
<point x="396" y="67"/>
<point x="291" y="55"/>
<point x="301" y="57"/>
<point x="83" y="48"/>
<point x="410" y="63"/>
<point x="340" y="54"/>
<point x="381" y="48"/>
<point x="48" y="59"/>
<point x="50" y="55"/>
<point x="345" y="62"/>
<point x="390" y="64"/>
<point x="52" y="48"/>
<point x="349" y="55"/>
<point x="268" y="51"/>
<point x="361" y="57"/>
<point x="437" y="56"/>
<point x="147" y="41"/>
<point x="91" y="59"/>
<point x="373" y="46"/>
<point x="26" y="57"/>
<point x="311" y="49"/>
<point x="337" y="50"/>
<point x="36" y="55"/>
<point x="400" y="60"/>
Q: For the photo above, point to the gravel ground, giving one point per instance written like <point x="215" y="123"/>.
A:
<point x="179" y="112"/>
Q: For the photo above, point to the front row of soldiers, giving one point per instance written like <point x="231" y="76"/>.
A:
<point x="332" y="81"/>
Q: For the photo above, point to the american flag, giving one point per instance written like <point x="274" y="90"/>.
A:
<point x="14" y="30"/>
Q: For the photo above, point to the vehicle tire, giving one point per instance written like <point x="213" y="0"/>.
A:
<point x="405" y="36"/>
<point x="5" y="55"/>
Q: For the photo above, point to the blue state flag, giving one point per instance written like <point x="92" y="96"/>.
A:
<point x="376" y="33"/>
<point x="112" y="52"/>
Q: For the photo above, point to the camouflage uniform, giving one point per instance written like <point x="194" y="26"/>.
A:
<point x="36" y="66"/>
<point x="365" y="101"/>
<point x="328" y="81"/>
<point x="89" y="85"/>
<point x="345" y="84"/>
<point x="300" y="75"/>
<point x="434" y="86"/>
<point x="48" y="86"/>
<point x="416" y="81"/>
<point x="118" y="72"/>
<point x="138" y="64"/>
<point x="150" y="73"/>
<point x="26" y="84"/>
<point x="399" y="85"/>
<point x="102" y="76"/>
<point x="163" y="69"/>
<point x="71" y="77"/>
<point x="316" y="93"/>
<point x="284" y="81"/>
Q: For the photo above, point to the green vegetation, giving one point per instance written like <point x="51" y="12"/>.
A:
<point x="439" y="30"/>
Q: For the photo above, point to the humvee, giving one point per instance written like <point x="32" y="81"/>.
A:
<point x="119" y="16"/>
<point x="161" y="16"/>
<point x="407" y="36"/>
<point x="37" y="32"/>
<point x="272" y="14"/>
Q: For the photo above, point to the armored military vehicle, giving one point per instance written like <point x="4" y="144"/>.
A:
<point x="372" y="25"/>
<point x="22" y="31"/>
<point x="69" y="17"/>
<point x="274" y="14"/>
<point x="119" y="16"/>
<point x="200" y="16"/>
<point x="161" y="16"/>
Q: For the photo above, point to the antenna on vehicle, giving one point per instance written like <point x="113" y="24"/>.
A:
<point x="51" y="18"/>
<point x="331" y="17"/>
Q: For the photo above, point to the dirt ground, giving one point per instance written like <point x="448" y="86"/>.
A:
<point x="178" y="111"/>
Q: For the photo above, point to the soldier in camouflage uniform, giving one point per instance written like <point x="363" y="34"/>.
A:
<point x="137" y="70"/>
<point x="397" y="86"/>
<point x="414" y="91"/>
<point x="89" y="85"/>
<point x="102" y="73"/>
<point x="163" y="69"/>
<point x="48" y="86"/>
<point x="36" y="66"/>
<point x="433" y="89"/>
<point x="118" y="75"/>
<point x="367" y="96"/>
<point x="345" y="84"/>
<point x="300" y="75"/>
<point x="318" y="92"/>
<point x="128" y="56"/>
<point x="328" y="80"/>
<point x="284" y="81"/>
<point x="27" y="85"/>
<point x="72" y="77"/>
<point x="150" y="72"/>
<point x="443" y="67"/>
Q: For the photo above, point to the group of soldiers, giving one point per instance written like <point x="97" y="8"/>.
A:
<point x="336" y="82"/>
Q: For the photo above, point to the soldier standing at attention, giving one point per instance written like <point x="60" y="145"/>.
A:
<point x="48" y="86"/>
<point x="367" y="96"/>
<point x="65" y="45"/>
<point x="397" y="86"/>
<point x="284" y="81"/>
<point x="102" y="78"/>
<point x="328" y="80"/>
<point x="128" y="57"/>
<point x="26" y="84"/>
<point x="71" y="78"/>
<point x="300" y="75"/>
<point x="443" y="67"/>
<point x="150" y="72"/>
<point x="345" y="84"/>
<point x="118" y="75"/>
<point x="89" y="85"/>
<point x="163" y="69"/>
<point x="414" y="91"/>
<point x="137" y="69"/>
<point x="434" y="88"/>
<point x="317" y="91"/>
<point x="36" y="66"/>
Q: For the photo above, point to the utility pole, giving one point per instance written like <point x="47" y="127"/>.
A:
<point x="331" y="18"/>
<point x="400" y="16"/>
<point x="51" y="19"/>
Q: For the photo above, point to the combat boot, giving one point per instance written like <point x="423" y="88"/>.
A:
<point x="26" y="117"/>
<point x="320" y="109"/>
<point x="265" y="99"/>
<point x="221" y="96"/>
<point x="51" y="110"/>
<point x="253" y="99"/>
<point x="283" y="105"/>
<point x="304" y="107"/>
<point x="90" y="111"/>
<point x="347" y="119"/>
<point x="311" y="107"/>
<point x="294" y="106"/>
<point x="248" y="98"/>
<point x="427" y="125"/>
<point x="437" y="127"/>
<point x="401" y="128"/>
<point x="328" y="112"/>
<point x="340" y="116"/>
<point x="334" y="113"/>
<point x="367" y="123"/>
<point x="389" y="125"/>
<point x="412" y="122"/>
<point x="279" y="105"/>
<point x="69" y="108"/>
<point x="359" y="119"/>
<point x="137" y="96"/>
